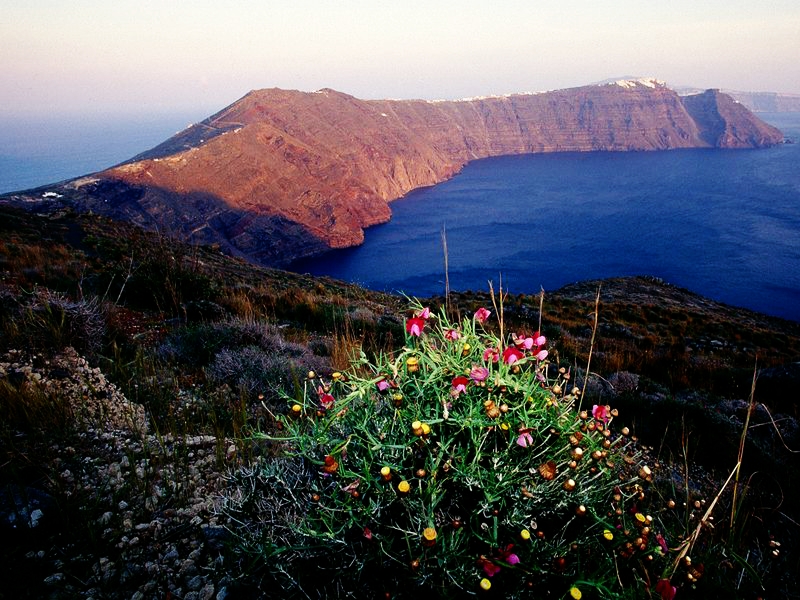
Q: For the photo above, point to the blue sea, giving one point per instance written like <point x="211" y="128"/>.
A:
<point x="722" y="223"/>
<point x="725" y="224"/>
<point x="40" y="149"/>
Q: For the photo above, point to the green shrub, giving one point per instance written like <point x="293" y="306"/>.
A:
<point x="442" y="471"/>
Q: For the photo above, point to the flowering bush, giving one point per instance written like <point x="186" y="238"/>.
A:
<point x="465" y="464"/>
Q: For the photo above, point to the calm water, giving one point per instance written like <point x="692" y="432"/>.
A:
<point x="725" y="224"/>
<point x="37" y="150"/>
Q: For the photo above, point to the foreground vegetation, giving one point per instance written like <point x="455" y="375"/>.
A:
<point x="215" y="349"/>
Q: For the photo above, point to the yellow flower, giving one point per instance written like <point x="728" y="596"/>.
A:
<point x="525" y="534"/>
<point x="426" y="429"/>
<point x="608" y="535"/>
<point x="485" y="584"/>
<point x="403" y="487"/>
<point x="429" y="536"/>
<point x="575" y="593"/>
<point x="416" y="428"/>
<point x="386" y="473"/>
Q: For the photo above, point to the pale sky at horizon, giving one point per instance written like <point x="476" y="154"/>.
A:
<point x="164" y="55"/>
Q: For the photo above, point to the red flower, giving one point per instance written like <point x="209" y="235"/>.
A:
<point x="452" y="335"/>
<point x="512" y="355"/>
<point x="491" y="355"/>
<point x="415" y="325"/>
<point x="459" y="385"/>
<point x="324" y="398"/>
<point x="666" y="589"/>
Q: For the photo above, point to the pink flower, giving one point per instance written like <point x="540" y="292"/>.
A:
<point x="525" y="438"/>
<point x="482" y="315"/>
<point x="384" y="384"/>
<point x="459" y="385"/>
<point x="666" y="589"/>
<point x="415" y="325"/>
<point x="539" y="340"/>
<point x="478" y="374"/>
<point x="491" y="355"/>
<point x="522" y="342"/>
<point x="541" y="355"/>
<point x="600" y="413"/>
<point x="452" y="335"/>
<point x="425" y="313"/>
<point x="512" y="355"/>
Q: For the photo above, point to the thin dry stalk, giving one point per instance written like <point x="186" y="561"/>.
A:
<point x="591" y="346"/>
<point x="498" y="308"/>
<point x="742" y="441"/>
<point x="446" y="271"/>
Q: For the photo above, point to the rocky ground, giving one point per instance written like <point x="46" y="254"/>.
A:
<point x="110" y="510"/>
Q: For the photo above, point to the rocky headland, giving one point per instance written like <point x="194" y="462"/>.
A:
<point x="281" y="174"/>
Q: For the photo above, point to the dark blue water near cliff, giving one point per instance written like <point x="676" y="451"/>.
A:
<point x="725" y="224"/>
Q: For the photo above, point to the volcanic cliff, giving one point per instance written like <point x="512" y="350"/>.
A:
<point x="283" y="174"/>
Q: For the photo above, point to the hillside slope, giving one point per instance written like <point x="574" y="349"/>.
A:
<point x="283" y="174"/>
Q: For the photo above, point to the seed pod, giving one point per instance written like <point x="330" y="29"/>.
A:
<point x="491" y="409"/>
<point x="416" y="428"/>
<point x="386" y="473"/>
<point x="569" y="485"/>
<point x="548" y="470"/>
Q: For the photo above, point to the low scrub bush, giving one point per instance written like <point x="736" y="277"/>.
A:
<point x="462" y="464"/>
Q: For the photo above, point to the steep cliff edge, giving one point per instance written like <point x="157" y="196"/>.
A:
<point x="282" y="174"/>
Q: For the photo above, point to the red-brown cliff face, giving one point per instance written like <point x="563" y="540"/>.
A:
<point x="283" y="174"/>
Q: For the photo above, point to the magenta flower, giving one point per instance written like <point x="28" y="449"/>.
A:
<point x="666" y="589"/>
<point x="452" y="335"/>
<point x="503" y="555"/>
<point x="491" y="355"/>
<point x="415" y="325"/>
<point x="459" y="385"/>
<point x="525" y="438"/>
<point x="600" y="413"/>
<point x="478" y="374"/>
<point x="425" y="313"/>
<point x="482" y="315"/>
<point x="512" y="355"/>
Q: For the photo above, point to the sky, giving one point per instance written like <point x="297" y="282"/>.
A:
<point x="127" y="56"/>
